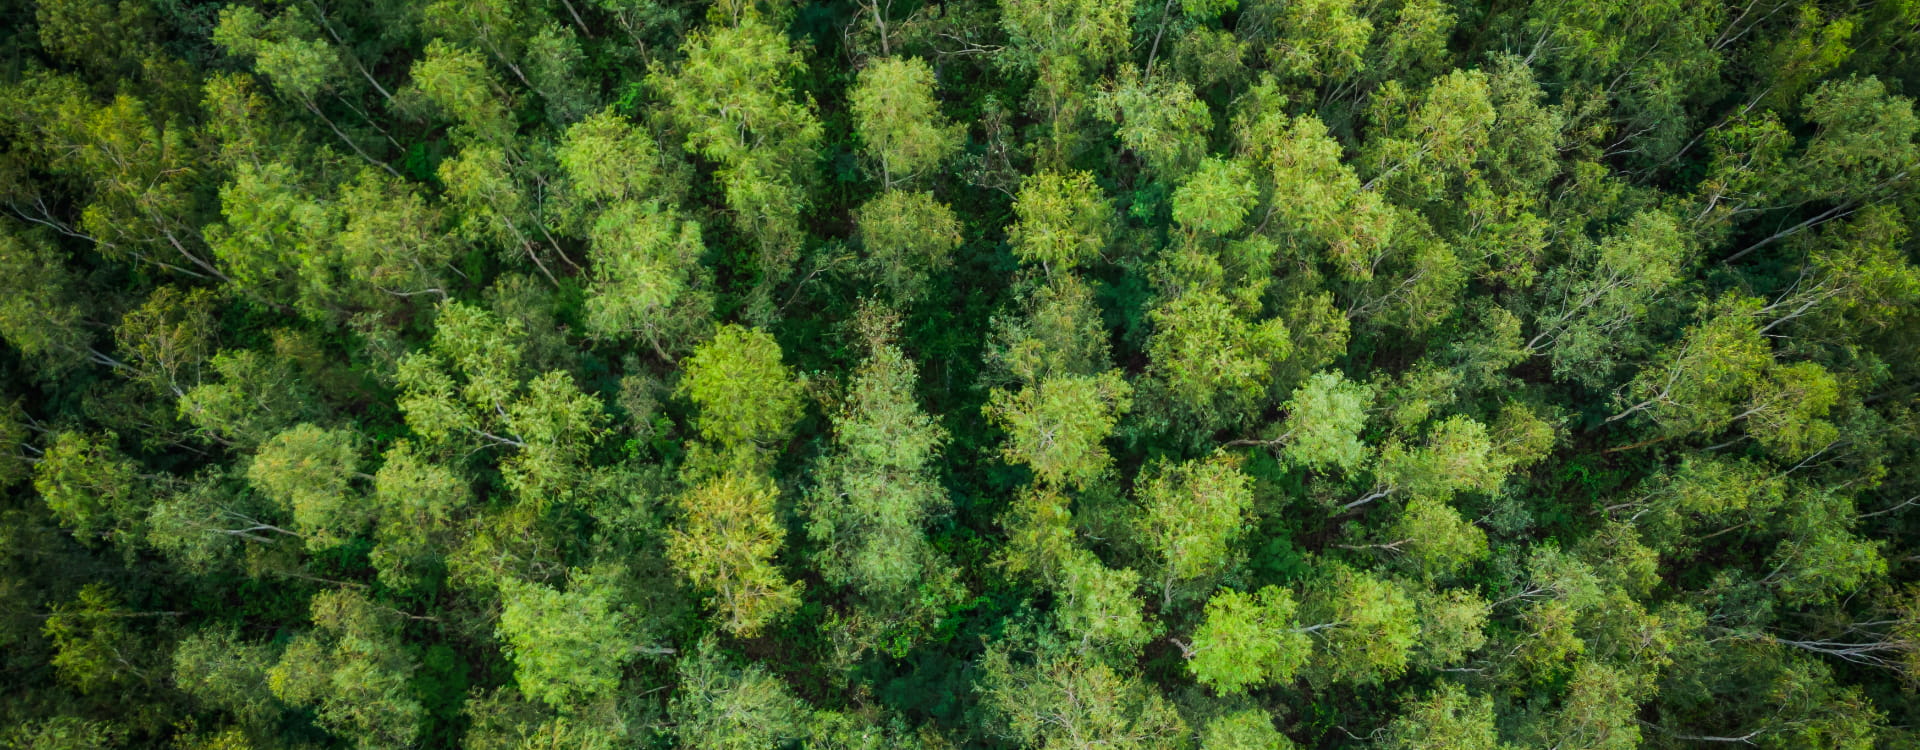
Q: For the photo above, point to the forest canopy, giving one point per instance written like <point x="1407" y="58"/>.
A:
<point x="1061" y="374"/>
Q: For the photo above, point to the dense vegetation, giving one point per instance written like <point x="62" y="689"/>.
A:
<point x="984" y="373"/>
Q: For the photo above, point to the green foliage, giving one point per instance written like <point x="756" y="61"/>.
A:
<point x="1217" y="373"/>
<point x="567" y="647"/>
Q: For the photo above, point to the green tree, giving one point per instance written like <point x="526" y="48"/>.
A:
<point x="725" y="545"/>
<point x="354" y="671"/>
<point x="1061" y="220"/>
<point x="746" y="395"/>
<point x="898" y="120"/>
<point x="1252" y="640"/>
<point x="309" y="471"/>
<point x="1072" y="703"/>
<point x="1191" y="520"/>
<point x="91" y="488"/>
<point x="907" y="237"/>
<point x="722" y="705"/>
<point x="1057" y="426"/>
<point x="1445" y="719"/>
<point x="567" y="647"/>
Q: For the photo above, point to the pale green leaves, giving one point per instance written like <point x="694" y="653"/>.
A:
<point x="1323" y="423"/>
<point x="745" y="394"/>
<point x="908" y="236"/>
<point x="899" y="121"/>
<point x="567" y="647"/>
<point x="1057" y="426"/>
<point x="725" y="545"/>
<point x="1063" y="221"/>
<point x="1248" y="641"/>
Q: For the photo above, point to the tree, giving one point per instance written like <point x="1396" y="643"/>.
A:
<point x="725" y="545"/>
<point x="1315" y="39"/>
<point x="1216" y="198"/>
<point x="1252" y="640"/>
<point x="1370" y="628"/>
<point x="309" y="471"/>
<point x="1160" y="120"/>
<point x="91" y="488"/>
<point x="1214" y="362"/>
<point x="721" y="705"/>
<point x="257" y="396"/>
<point x="899" y="121"/>
<point x="907" y="237"/>
<point x="746" y="396"/>
<point x="1457" y="456"/>
<point x="1062" y="220"/>
<point x="1593" y="308"/>
<point x="879" y="487"/>
<point x="1192" y="517"/>
<point x="731" y="97"/>
<point x="95" y="647"/>
<point x="42" y="312"/>
<point x="1323" y="423"/>
<point x="1445" y="719"/>
<point x="354" y="671"/>
<point x="567" y="647"/>
<point x="1250" y="729"/>
<point x="1056" y="426"/>
<point x="223" y="672"/>
<point x="1074" y="704"/>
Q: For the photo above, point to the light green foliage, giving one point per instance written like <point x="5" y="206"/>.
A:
<point x="283" y="48"/>
<point x="725" y="545"/>
<point x="1435" y="538"/>
<point x="272" y="242"/>
<point x="1316" y="206"/>
<point x="745" y="394"/>
<point x="547" y="422"/>
<point x="41" y="312"/>
<point x="1598" y="710"/>
<point x="567" y="647"/>
<point x="1097" y="607"/>
<point x="1445" y="719"/>
<point x="223" y="672"/>
<point x="417" y="499"/>
<point x="308" y="470"/>
<point x="647" y="277"/>
<point x="1063" y="221"/>
<point x="1160" y="120"/>
<point x="94" y="645"/>
<point x="1059" y="332"/>
<point x="1212" y="359"/>
<point x="1248" y="641"/>
<point x="1374" y="628"/>
<point x="1192" y="517"/>
<point x="1821" y="560"/>
<point x="1057" y="426"/>
<point x="1696" y="383"/>
<point x="353" y="670"/>
<point x="898" y="120"/>
<point x="1074" y="703"/>
<point x="880" y="485"/>
<point x="608" y="160"/>
<point x="1433" y="139"/>
<point x="1458" y="456"/>
<point x="1864" y="145"/>
<point x="456" y="80"/>
<point x="90" y="487"/>
<point x="907" y="237"/>
<point x="1594" y="307"/>
<point x="1787" y="411"/>
<point x="1313" y="38"/>
<point x="1323" y="423"/>
<point x="258" y="395"/>
<point x="1452" y="626"/>
<point x="727" y="707"/>
<point x="167" y="339"/>
<point x="1064" y="39"/>
<point x="731" y="97"/>
<point x="393" y="244"/>
<point x="1216" y="198"/>
<point x="1250" y="729"/>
